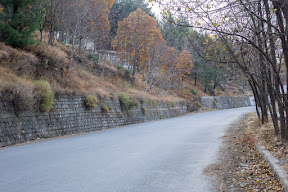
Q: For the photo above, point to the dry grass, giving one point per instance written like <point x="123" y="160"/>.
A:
<point x="77" y="81"/>
<point x="45" y="51"/>
<point x="19" y="61"/>
<point x="78" y="76"/>
<point x="8" y="79"/>
<point x="18" y="90"/>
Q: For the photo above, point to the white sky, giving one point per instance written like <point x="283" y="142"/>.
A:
<point x="155" y="9"/>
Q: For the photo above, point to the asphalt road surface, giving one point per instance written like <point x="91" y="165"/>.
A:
<point x="161" y="156"/>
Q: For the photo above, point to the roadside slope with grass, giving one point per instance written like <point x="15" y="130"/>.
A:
<point x="21" y="69"/>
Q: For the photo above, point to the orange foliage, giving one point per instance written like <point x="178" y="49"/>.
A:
<point x="136" y="38"/>
<point x="184" y="64"/>
<point x="99" y="19"/>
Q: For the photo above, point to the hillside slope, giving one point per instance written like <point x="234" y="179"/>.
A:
<point x="19" y="68"/>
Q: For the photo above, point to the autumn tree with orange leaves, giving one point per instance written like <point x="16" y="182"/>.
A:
<point x="174" y="67"/>
<point x="100" y="23"/>
<point x="136" y="39"/>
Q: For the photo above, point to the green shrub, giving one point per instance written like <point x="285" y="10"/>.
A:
<point x="105" y="108"/>
<point x="127" y="103"/>
<point x="193" y="92"/>
<point x="93" y="58"/>
<point x="52" y="62"/>
<point x="143" y="101"/>
<point x="91" y="101"/>
<point x="46" y="94"/>
<point x="171" y="104"/>
<point x="124" y="101"/>
<point x="198" y="105"/>
<point x="134" y="102"/>
<point x="127" y="72"/>
<point x="143" y="110"/>
<point x="214" y="103"/>
<point x="120" y="68"/>
<point x="155" y="104"/>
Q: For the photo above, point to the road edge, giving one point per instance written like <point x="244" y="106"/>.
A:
<point x="278" y="170"/>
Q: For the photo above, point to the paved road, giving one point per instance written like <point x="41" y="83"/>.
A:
<point x="160" y="156"/>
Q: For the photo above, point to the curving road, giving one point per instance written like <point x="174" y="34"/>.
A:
<point x="160" y="156"/>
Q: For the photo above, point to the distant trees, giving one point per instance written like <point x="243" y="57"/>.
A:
<point x="140" y="43"/>
<point x="254" y="34"/>
<point x="19" y="20"/>
<point x="78" y="23"/>
<point x="174" y="35"/>
<point x="85" y="23"/>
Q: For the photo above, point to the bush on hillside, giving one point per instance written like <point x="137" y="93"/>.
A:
<point x="143" y="110"/>
<point x="134" y="102"/>
<point x="91" y="101"/>
<point x="105" y="108"/>
<point x="45" y="93"/>
<point x="124" y="101"/>
<point x="127" y="72"/>
<point x="93" y="58"/>
<point x="155" y="104"/>
<point x="127" y="103"/>
<point x="193" y="92"/>
<point x="52" y="62"/>
<point x="120" y="68"/>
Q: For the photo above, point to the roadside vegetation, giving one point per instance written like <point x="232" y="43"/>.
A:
<point x="56" y="46"/>
<point x="250" y="36"/>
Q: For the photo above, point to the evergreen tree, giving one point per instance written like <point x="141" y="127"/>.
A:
<point x="173" y="34"/>
<point x="19" y="19"/>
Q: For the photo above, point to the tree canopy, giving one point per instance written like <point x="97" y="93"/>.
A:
<point x="19" y="20"/>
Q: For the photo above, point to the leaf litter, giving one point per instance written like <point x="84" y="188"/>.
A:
<point x="240" y="167"/>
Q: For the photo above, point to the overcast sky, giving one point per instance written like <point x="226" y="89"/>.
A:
<point x="156" y="9"/>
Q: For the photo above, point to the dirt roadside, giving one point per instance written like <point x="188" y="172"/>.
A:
<point x="240" y="167"/>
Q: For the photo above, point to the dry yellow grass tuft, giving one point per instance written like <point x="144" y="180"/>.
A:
<point x="9" y="79"/>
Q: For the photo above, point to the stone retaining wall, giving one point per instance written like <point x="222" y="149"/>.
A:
<point x="70" y="116"/>
<point x="224" y="102"/>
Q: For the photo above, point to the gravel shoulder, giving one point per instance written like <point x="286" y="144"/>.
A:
<point x="240" y="167"/>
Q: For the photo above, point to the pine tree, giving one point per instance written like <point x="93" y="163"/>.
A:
<point x="19" y="19"/>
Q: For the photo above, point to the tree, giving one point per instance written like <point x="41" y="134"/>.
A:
<point x="136" y="36"/>
<point x="173" y="68"/>
<point x="255" y="36"/>
<point x="19" y="20"/>
<point x="173" y="34"/>
<point x="183" y="64"/>
<point x="166" y="73"/>
<point x="122" y="8"/>
<point x="100" y="23"/>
